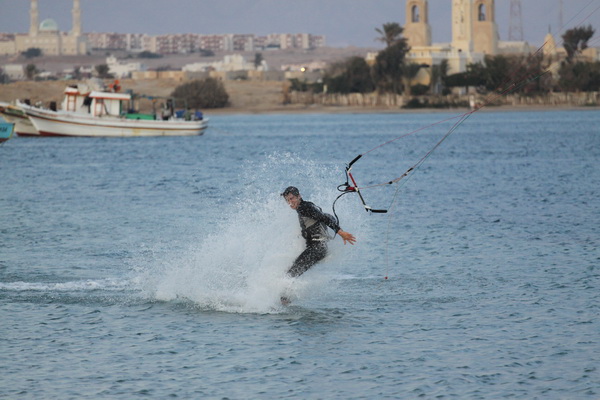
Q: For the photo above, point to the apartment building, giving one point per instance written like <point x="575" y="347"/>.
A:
<point x="191" y="42"/>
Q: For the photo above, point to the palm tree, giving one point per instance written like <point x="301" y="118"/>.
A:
<point x="390" y="34"/>
<point x="389" y="67"/>
<point x="576" y="40"/>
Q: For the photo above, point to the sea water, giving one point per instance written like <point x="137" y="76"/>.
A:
<point x="153" y="267"/>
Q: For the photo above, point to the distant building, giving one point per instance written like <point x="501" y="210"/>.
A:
<point x="46" y="36"/>
<point x="474" y="35"/>
<point x="14" y="72"/>
<point x="244" y="42"/>
<point x="307" y="72"/>
<point x="133" y="42"/>
<point x="305" y="67"/>
<point x="230" y="63"/>
<point x="123" y="70"/>
<point x="192" y="42"/>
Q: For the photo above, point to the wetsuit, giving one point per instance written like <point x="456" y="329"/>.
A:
<point x="314" y="223"/>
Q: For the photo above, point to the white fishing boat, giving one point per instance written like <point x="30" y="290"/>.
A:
<point x="16" y="115"/>
<point x="107" y="114"/>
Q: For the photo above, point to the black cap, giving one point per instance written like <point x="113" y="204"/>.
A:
<point x="291" y="190"/>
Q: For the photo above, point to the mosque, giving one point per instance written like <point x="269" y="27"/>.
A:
<point x="47" y="37"/>
<point x="474" y="35"/>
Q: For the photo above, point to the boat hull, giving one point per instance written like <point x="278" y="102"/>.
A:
<point x="6" y="130"/>
<point x="17" y="116"/>
<point x="57" y="123"/>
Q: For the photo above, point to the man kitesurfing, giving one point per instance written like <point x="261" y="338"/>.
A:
<point x="314" y="223"/>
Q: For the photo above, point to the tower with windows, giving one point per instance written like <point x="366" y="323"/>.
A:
<point x="485" y="30"/>
<point x="474" y="26"/>
<point x="47" y="36"/>
<point x="462" y="25"/>
<point x="417" y="29"/>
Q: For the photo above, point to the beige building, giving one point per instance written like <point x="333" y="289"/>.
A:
<point x="474" y="34"/>
<point x="47" y="37"/>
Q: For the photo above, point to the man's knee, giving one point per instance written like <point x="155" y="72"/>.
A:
<point x="300" y="266"/>
<point x="307" y="259"/>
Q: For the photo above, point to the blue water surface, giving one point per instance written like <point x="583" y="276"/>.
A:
<point x="152" y="267"/>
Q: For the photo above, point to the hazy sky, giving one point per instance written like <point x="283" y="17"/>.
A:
<point x="343" y="22"/>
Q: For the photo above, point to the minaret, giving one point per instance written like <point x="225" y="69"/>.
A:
<point x="462" y="26"/>
<point x="485" y="30"/>
<point x="76" y="19"/>
<point x="549" y="48"/>
<point x="34" y="17"/>
<point x="417" y="29"/>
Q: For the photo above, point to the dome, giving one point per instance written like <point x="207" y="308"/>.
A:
<point x="48" y="25"/>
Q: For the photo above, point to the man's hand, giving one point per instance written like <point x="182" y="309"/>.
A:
<point x="347" y="237"/>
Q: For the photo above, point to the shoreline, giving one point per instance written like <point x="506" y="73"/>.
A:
<point x="248" y="98"/>
<point x="365" y="110"/>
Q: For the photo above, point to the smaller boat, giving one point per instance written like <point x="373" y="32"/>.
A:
<point x="16" y="115"/>
<point x="6" y="130"/>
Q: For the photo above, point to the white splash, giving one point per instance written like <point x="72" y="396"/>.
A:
<point x="242" y="267"/>
<point x="71" y="286"/>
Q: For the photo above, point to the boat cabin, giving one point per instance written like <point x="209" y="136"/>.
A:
<point x="95" y="103"/>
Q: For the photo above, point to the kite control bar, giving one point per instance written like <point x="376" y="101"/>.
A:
<point x="347" y="188"/>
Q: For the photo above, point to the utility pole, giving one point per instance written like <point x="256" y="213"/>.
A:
<point x="515" y="31"/>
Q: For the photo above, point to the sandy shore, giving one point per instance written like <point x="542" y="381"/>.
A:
<point x="246" y="97"/>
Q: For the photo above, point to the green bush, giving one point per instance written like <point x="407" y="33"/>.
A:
<point x="352" y="75"/>
<point x="32" y="52"/>
<point x="149" y="54"/>
<point x="202" y="93"/>
<point x="419" y="89"/>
